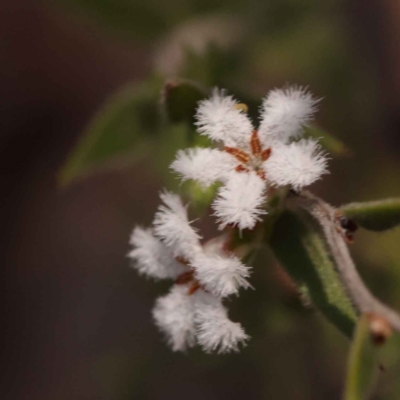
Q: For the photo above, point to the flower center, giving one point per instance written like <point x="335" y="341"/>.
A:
<point x="253" y="161"/>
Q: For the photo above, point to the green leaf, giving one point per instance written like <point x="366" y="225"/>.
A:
<point x="120" y="132"/>
<point x="327" y="141"/>
<point x="180" y="99"/>
<point x="362" y="364"/>
<point x="374" y="215"/>
<point x="199" y="197"/>
<point x="300" y="248"/>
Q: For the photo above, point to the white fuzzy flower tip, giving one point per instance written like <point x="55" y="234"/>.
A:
<point x="151" y="257"/>
<point x="206" y="166"/>
<point x="222" y="276"/>
<point x="220" y="119"/>
<point x="174" y="316"/>
<point x="171" y="225"/>
<point x="298" y="164"/>
<point x="240" y="201"/>
<point x="284" y="112"/>
<point x="215" y="331"/>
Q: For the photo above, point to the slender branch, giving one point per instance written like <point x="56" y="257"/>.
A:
<point x="364" y="301"/>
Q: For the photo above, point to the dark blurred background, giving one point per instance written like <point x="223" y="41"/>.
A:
<point x="77" y="320"/>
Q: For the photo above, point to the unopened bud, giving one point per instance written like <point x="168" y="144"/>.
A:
<point x="380" y="329"/>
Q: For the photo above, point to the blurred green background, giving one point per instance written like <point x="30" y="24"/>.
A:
<point x="77" y="318"/>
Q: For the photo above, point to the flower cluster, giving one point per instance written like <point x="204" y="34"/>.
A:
<point x="252" y="161"/>
<point x="249" y="163"/>
<point x="203" y="274"/>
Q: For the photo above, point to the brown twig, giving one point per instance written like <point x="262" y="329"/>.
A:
<point x="364" y="301"/>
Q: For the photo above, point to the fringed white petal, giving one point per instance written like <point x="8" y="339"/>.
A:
<point x="206" y="166"/>
<point x="151" y="257"/>
<point x="215" y="331"/>
<point x="240" y="201"/>
<point x="174" y="316"/>
<point x="284" y="112"/>
<point x="222" y="276"/>
<point x="171" y="225"/>
<point x="298" y="164"/>
<point x="220" y="119"/>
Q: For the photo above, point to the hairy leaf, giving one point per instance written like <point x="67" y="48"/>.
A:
<point x="301" y="249"/>
<point x="362" y="364"/>
<point x="374" y="215"/>
<point x="121" y="131"/>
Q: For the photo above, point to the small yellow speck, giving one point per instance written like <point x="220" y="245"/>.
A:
<point x="242" y="106"/>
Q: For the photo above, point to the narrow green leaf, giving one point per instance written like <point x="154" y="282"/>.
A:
<point x="180" y="99"/>
<point x="374" y="215"/>
<point x="121" y="131"/>
<point x="300" y="248"/>
<point x="327" y="141"/>
<point x="362" y="364"/>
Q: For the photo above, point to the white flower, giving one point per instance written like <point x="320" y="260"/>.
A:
<point x="258" y="159"/>
<point x="203" y="276"/>
<point x="219" y="273"/>
<point x="151" y="257"/>
<point x="214" y="330"/>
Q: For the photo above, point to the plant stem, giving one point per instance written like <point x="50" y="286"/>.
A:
<point x="364" y="301"/>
